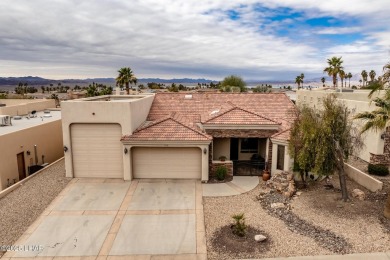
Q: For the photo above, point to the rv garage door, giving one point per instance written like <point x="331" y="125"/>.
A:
<point x="97" y="150"/>
<point x="169" y="163"/>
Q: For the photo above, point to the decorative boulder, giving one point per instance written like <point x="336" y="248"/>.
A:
<point x="283" y="182"/>
<point x="356" y="193"/>
<point x="260" y="238"/>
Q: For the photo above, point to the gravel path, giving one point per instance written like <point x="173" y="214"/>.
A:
<point x="358" y="224"/>
<point x="20" y="208"/>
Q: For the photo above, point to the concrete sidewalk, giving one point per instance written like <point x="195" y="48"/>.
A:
<point x="239" y="184"/>
<point x="363" y="256"/>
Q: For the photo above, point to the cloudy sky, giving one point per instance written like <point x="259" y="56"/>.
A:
<point x="262" y="40"/>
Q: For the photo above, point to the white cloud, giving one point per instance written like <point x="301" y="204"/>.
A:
<point x="164" y="38"/>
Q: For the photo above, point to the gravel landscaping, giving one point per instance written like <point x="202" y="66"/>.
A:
<point x="20" y="208"/>
<point x="315" y="223"/>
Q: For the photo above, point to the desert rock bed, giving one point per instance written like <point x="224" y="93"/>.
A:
<point x="316" y="222"/>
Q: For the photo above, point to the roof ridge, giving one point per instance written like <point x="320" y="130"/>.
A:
<point x="173" y="119"/>
<point x="242" y="109"/>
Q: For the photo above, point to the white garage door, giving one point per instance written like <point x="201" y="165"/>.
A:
<point x="97" y="150"/>
<point x="169" y="163"/>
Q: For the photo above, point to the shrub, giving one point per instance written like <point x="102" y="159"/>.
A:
<point x="221" y="173"/>
<point x="354" y="87"/>
<point x="378" y="169"/>
<point x="239" y="227"/>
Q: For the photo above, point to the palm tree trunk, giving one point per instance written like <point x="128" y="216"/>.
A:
<point x="127" y="88"/>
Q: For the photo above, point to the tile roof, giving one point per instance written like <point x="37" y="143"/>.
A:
<point x="167" y="129"/>
<point x="283" y="135"/>
<point x="174" y="116"/>
<point x="236" y="115"/>
<point x="274" y="106"/>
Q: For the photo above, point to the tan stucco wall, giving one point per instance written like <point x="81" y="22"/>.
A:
<point x="357" y="102"/>
<point x="221" y="147"/>
<point x="127" y="111"/>
<point x="288" y="161"/>
<point x="47" y="137"/>
<point x="24" y="106"/>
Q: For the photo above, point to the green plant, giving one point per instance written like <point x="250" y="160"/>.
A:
<point x="378" y="169"/>
<point x="222" y="158"/>
<point x="239" y="227"/>
<point x="221" y="173"/>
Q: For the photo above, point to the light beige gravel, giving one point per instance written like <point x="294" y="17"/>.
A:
<point x="20" y="208"/>
<point x="363" y="231"/>
<point x="218" y="212"/>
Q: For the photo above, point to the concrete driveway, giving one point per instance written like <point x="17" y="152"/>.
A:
<point x="114" y="219"/>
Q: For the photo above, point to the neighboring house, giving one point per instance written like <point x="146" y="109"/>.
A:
<point x="176" y="135"/>
<point x="357" y="101"/>
<point x="28" y="139"/>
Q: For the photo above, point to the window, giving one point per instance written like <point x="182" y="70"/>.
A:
<point x="249" y="145"/>
<point x="280" y="158"/>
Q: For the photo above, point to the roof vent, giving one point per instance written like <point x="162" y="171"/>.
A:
<point x="188" y="97"/>
<point x="214" y="112"/>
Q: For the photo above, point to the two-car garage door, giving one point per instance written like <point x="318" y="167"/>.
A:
<point x="169" y="163"/>
<point x="97" y="150"/>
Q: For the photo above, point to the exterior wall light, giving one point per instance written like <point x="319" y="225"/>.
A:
<point x="125" y="151"/>
<point x="28" y="152"/>
<point x="65" y="149"/>
<point x="205" y="150"/>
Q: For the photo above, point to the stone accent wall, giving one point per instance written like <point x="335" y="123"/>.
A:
<point x="385" y="157"/>
<point x="269" y="165"/>
<point x="210" y="157"/>
<point x="240" y="133"/>
<point x="216" y="164"/>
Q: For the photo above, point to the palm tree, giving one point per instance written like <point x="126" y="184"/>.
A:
<point x="364" y="76"/>
<point x="302" y="77"/>
<point x="372" y="75"/>
<point x="386" y="73"/>
<point x="125" y="77"/>
<point x="342" y="77"/>
<point x="323" y="81"/>
<point x="334" y="68"/>
<point x="298" y="80"/>
<point x="349" y="75"/>
<point x="378" y="119"/>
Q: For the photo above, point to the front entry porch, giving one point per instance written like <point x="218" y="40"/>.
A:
<point x="248" y="155"/>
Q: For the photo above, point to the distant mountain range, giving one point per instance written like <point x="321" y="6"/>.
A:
<point x="42" y="81"/>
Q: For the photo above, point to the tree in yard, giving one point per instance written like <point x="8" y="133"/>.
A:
<point x="261" y="89"/>
<point x="335" y="66"/>
<point x="233" y="81"/>
<point x="323" y="81"/>
<point x="320" y="140"/>
<point x="386" y="73"/>
<point x="298" y="81"/>
<point x="372" y="75"/>
<point x="125" y="78"/>
<point x="302" y="77"/>
<point x="364" y="76"/>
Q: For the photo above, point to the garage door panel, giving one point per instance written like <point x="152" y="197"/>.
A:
<point x="97" y="150"/>
<point x="172" y="162"/>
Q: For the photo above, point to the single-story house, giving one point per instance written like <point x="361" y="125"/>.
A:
<point x="176" y="135"/>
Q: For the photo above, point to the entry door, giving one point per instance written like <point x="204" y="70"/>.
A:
<point x="233" y="149"/>
<point x="21" y="166"/>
